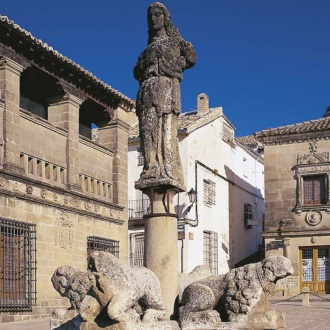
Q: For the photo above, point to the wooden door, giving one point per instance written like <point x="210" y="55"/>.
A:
<point x="314" y="269"/>
<point x="11" y="269"/>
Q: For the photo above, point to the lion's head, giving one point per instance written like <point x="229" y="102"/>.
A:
<point x="276" y="267"/>
<point x="71" y="283"/>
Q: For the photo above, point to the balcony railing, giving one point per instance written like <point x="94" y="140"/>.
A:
<point x="138" y="208"/>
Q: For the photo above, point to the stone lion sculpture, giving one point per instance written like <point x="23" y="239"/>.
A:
<point x="237" y="295"/>
<point x="125" y="293"/>
<point x="120" y="289"/>
<point x="71" y="283"/>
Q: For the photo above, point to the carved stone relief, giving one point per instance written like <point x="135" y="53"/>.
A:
<point x="15" y="186"/>
<point x="43" y="193"/>
<point x="88" y="205"/>
<point x="63" y="231"/>
<point x="313" y="218"/>
<point x="313" y="157"/>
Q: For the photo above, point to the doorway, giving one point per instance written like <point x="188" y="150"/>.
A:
<point x="314" y="269"/>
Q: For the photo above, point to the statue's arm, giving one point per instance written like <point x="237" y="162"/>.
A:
<point x="140" y="66"/>
<point x="189" y="54"/>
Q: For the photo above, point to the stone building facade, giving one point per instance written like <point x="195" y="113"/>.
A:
<point x="62" y="194"/>
<point x="297" y="219"/>
<point x="223" y="226"/>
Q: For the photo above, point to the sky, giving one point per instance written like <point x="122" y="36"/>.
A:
<point x="265" y="62"/>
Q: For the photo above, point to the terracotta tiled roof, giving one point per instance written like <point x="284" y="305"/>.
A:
<point x="188" y="122"/>
<point x="37" y="46"/>
<point x="248" y="140"/>
<point x="317" y="125"/>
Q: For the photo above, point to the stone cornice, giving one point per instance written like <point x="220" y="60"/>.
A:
<point x="301" y="138"/>
<point x="296" y="233"/>
<point x="24" y="188"/>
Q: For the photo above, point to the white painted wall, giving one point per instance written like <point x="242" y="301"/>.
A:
<point x="226" y="217"/>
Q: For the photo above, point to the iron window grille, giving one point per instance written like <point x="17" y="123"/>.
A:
<point x="209" y="192"/>
<point x="95" y="243"/>
<point x="136" y="249"/>
<point x="17" y="266"/>
<point x="140" y="157"/>
<point x="210" y="250"/>
<point x="140" y="160"/>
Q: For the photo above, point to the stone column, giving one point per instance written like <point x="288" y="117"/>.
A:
<point x="10" y="72"/>
<point x="161" y="243"/>
<point x="65" y="114"/>
<point x="114" y="136"/>
<point x="286" y="247"/>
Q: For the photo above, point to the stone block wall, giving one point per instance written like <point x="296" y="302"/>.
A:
<point x="62" y="183"/>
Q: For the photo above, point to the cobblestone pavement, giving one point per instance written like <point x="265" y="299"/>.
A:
<point x="314" y="317"/>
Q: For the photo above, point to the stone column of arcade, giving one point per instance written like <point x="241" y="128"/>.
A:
<point x="159" y="71"/>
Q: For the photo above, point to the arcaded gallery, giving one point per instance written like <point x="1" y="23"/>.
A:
<point x="62" y="193"/>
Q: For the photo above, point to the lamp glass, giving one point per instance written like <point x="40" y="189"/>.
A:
<point x="192" y="196"/>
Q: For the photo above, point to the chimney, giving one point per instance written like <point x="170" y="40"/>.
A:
<point x="202" y="103"/>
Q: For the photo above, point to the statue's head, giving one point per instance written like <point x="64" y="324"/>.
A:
<point x="158" y="18"/>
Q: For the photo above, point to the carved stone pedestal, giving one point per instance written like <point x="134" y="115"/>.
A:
<point x="270" y="320"/>
<point x="162" y="325"/>
<point x="208" y="320"/>
<point x="63" y="319"/>
<point x="70" y="320"/>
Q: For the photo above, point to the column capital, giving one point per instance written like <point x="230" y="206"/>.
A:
<point x="73" y="100"/>
<point x="9" y="64"/>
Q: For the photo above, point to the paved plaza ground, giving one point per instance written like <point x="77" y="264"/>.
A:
<point x="314" y="317"/>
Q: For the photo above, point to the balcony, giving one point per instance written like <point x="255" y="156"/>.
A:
<point x="136" y="210"/>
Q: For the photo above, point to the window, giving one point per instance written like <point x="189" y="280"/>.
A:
<point x="314" y="189"/>
<point x="17" y="266"/>
<point x="248" y="215"/>
<point x="95" y="243"/>
<point x="228" y="134"/>
<point x="85" y="130"/>
<point x="140" y="158"/>
<point x="312" y="174"/>
<point x="33" y="106"/>
<point x="136" y="249"/>
<point x="210" y="242"/>
<point x="209" y="192"/>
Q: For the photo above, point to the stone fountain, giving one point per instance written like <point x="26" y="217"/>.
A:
<point x="110" y="295"/>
